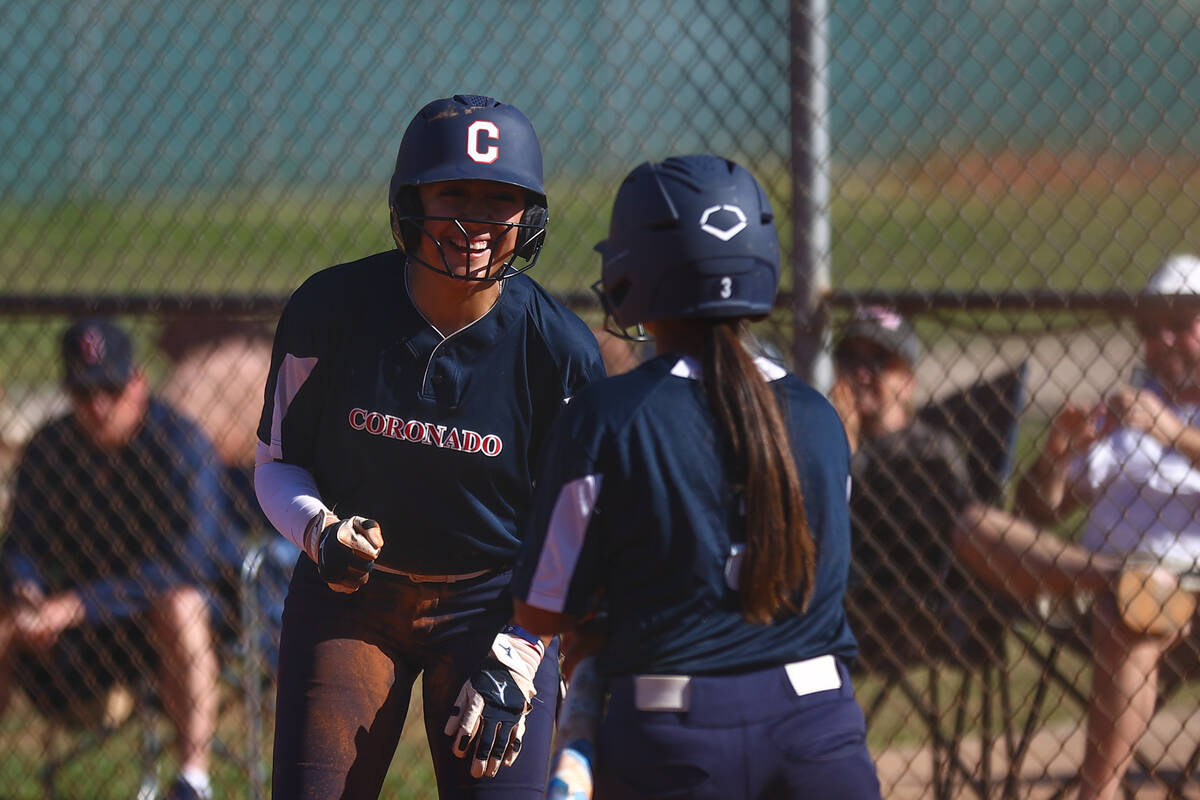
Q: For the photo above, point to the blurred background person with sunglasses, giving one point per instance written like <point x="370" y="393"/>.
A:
<point x="874" y="358"/>
<point x="117" y="517"/>
<point x="910" y="484"/>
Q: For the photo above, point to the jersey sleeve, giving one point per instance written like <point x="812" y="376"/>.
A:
<point x="556" y="569"/>
<point x="583" y="365"/>
<point x="571" y="346"/>
<point x="292" y="396"/>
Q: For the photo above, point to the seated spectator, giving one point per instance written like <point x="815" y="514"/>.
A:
<point x="1133" y="463"/>
<point x="218" y="371"/>
<point x="910" y="482"/>
<point x="116" y="515"/>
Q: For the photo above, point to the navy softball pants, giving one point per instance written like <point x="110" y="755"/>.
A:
<point x="347" y="664"/>
<point x="749" y="736"/>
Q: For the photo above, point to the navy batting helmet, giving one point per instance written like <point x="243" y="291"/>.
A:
<point x="692" y="236"/>
<point x="469" y="137"/>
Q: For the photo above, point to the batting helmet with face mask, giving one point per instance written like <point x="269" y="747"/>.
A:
<point x="469" y="137"/>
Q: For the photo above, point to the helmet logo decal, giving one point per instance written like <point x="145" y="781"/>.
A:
<point x="724" y="234"/>
<point x="491" y="133"/>
<point x="91" y="347"/>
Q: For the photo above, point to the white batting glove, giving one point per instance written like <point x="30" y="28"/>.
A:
<point x="492" y="704"/>
<point x="344" y="550"/>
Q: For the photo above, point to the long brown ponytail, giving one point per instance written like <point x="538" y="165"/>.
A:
<point x="780" y="556"/>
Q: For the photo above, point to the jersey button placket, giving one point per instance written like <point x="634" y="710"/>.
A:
<point x="440" y="384"/>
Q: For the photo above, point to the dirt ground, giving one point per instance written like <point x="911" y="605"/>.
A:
<point x="1052" y="761"/>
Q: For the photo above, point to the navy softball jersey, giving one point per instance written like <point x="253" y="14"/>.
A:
<point x="433" y="437"/>
<point x="656" y="538"/>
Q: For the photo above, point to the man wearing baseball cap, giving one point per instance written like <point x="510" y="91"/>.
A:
<point x="874" y="360"/>
<point x="116" y="519"/>
<point x="1133" y="463"/>
<point x="902" y="523"/>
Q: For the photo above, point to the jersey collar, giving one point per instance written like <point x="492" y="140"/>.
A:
<point x="688" y="367"/>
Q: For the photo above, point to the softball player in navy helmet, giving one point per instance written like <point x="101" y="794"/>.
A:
<point x="702" y="500"/>
<point x="409" y="395"/>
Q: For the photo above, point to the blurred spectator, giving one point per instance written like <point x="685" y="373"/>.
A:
<point x="217" y="377"/>
<point x="901" y="526"/>
<point x="218" y="371"/>
<point x="116" y="516"/>
<point x="918" y="524"/>
<point x="1133" y="463"/>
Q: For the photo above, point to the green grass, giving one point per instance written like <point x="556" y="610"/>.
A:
<point x="890" y="229"/>
<point x="899" y="723"/>
<point x="115" y="767"/>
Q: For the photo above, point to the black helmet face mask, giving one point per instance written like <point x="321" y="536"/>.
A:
<point x="468" y="138"/>
<point x="635" y="333"/>
<point x="410" y="230"/>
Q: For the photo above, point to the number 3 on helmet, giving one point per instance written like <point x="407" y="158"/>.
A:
<point x="692" y="236"/>
<point x="470" y="137"/>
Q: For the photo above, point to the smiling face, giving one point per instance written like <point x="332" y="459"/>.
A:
<point x="470" y="226"/>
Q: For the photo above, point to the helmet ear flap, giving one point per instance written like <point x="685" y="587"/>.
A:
<point x="406" y="211"/>
<point x="531" y="238"/>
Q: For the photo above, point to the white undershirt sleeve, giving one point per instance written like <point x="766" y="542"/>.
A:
<point x="287" y="493"/>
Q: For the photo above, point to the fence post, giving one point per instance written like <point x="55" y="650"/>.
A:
<point x="810" y="189"/>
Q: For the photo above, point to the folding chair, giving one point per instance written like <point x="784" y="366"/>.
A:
<point x="266" y="571"/>
<point x="905" y="573"/>
<point x="247" y="611"/>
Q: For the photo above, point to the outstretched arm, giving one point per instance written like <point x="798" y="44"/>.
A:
<point x="1043" y="493"/>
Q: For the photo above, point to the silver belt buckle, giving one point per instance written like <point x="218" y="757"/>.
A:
<point x="662" y="692"/>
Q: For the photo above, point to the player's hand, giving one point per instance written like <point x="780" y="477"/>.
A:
<point x="344" y="550"/>
<point x="492" y="704"/>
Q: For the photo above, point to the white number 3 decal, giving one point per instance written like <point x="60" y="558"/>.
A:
<point x="726" y="287"/>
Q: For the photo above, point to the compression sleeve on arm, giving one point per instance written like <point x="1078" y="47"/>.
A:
<point x="288" y="495"/>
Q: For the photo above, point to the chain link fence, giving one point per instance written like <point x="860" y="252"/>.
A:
<point x="1008" y="175"/>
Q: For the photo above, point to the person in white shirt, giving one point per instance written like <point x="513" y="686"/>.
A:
<point x="1133" y="462"/>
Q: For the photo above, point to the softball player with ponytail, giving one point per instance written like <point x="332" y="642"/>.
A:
<point x="703" y="496"/>
<point x="408" y="398"/>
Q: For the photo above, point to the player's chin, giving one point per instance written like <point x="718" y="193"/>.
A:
<point x="475" y="265"/>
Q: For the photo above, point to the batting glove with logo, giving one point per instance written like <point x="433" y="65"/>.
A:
<point x="492" y="704"/>
<point x="344" y="550"/>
